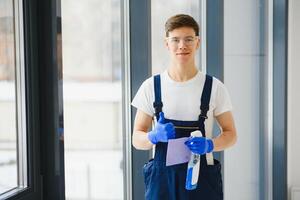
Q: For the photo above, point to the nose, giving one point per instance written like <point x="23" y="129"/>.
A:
<point x="181" y="44"/>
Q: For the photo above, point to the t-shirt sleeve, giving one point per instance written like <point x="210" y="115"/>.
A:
<point x="143" y="99"/>
<point x="222" y="101"/>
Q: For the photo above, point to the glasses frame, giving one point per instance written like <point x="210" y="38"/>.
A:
<point x="187" y="41"/>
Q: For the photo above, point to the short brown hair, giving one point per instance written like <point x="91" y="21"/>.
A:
<point x="181" y="20"/>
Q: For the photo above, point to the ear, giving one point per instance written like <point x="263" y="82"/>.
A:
<point x="166" y="43"/>
<point x="198" y="43"/>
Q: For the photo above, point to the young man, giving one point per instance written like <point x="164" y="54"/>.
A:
<point x="183" y="100"/>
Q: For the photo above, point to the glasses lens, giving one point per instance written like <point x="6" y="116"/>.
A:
<point x="187" y="40"/>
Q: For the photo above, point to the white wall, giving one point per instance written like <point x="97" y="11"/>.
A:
<point x="241" y="76"/>
<point x="293" y="95"/>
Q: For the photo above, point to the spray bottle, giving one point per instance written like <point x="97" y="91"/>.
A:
<point x="193" y="168"/>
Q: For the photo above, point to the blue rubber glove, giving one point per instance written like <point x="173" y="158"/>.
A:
<point x="200" y="145"/>
<point x="162" y="131"/>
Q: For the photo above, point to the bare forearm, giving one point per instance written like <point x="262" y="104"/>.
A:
<point x="140" y="140"/>
<point x="224" y="140"/>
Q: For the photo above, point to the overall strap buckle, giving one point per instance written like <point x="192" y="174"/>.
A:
<point x="204" y="116"/>
<point x="204" y="109"/>
<point x="157" y="107"/>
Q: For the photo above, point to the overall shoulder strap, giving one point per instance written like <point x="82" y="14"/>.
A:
<point x="204" y="107"/>
<point x="205" y="99"/>
<point x="157" y="104"/>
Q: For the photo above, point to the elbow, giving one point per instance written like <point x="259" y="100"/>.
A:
<point x="140" y="143"/>
<point x="139" y="146"/>
<point x="234" y="140"/>
<point x="134" y="142"/>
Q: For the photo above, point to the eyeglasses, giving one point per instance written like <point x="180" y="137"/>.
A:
<point x="188" y="41"/>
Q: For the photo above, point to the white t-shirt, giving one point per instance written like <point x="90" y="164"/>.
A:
<point x="181" y="100"/>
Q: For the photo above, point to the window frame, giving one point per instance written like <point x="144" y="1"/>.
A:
<point x="25" y="130"/>
<point x="41" y="97"/>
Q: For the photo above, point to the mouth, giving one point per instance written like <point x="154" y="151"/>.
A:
<point x="182" y="54"/>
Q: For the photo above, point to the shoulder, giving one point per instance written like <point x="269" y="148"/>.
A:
<point x="220" y="97"/>
<point x="148" y="83"/>
<point x="219" y="91"/>
<point x="218" y="84"/>
<point x="215" y="79"/>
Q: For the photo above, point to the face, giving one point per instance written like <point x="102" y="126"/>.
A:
<point x="182" y="44"/>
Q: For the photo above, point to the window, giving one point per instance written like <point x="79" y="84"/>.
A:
<point x="13" y="157"/>
<point x="91" y="43"/>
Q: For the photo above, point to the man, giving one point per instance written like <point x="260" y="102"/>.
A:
<point x="183" y="100"/>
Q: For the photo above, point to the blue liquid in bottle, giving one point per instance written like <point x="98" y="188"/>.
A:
<point x="193" y="167"/>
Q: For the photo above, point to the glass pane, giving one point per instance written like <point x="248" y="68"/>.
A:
<point x="8" y="141"/>
<point x="247" y="77"/>
<point x="91" y="43"/>
<point x="160" y="14"/>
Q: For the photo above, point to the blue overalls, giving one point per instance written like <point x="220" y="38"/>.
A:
<point x="168" y="183"/>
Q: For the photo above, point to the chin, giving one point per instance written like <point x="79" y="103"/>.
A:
<point x="183" y="61"/>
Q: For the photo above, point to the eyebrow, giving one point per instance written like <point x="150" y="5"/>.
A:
<point x="183" y="37"/>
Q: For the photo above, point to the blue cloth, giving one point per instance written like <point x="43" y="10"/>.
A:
<point x="168" y="183"/>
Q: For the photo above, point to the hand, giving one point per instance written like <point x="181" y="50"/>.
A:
<point x="162" y="132"/>
<point x="200" y="145"/>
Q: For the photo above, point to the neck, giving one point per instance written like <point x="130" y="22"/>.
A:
<point x="181" y="73"/>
